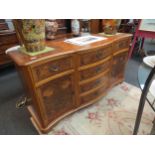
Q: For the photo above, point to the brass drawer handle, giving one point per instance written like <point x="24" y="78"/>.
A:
<point x="96" y="93"/>
<point x="98" y="69"/>
<point x="22" y="101"/>
<point x="54" y="68"/>
<point x="98" y="55"/>
<point x="97" y="82"/>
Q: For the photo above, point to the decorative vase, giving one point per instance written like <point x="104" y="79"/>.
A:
<point x="51" y="29"/>
<point x="110" y="26"/>
<point x="31" y="33"/>
<point x="75" y="26"/>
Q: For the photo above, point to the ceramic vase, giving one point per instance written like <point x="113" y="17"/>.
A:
<point x="31" y="33"/>
<point x="51" y="29"/>
<point x="75" y="26"/>
<point x="110" y="26"/>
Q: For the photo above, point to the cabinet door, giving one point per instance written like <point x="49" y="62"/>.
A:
<point x="57" y="97"/>
<point x="118" y="66"/>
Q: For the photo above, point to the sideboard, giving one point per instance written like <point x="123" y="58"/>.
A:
<point x="71" y="77"/>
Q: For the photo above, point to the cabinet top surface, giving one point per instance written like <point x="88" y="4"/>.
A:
<point x="62" y="48"/>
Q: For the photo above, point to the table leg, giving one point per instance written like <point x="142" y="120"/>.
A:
<point x="132" y="47"/>
<point x="139" y="116"/>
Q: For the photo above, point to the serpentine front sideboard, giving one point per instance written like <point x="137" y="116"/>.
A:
<point x="71" y="77"/>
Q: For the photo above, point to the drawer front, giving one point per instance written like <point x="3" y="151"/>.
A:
<point x="52" y="68"/>
<point x="95" y="55"/>
<point x="94" y="95"/>
<point x="8" y="39"/>
<point x="121" y="45"/>
<point x="95" y="83"/>
<point x="57" y="96"/>
<point x="88" y="73"/>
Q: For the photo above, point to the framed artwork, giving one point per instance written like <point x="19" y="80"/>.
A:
<point x="147" y="25"/>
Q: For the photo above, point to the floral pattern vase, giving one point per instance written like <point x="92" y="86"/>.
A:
<point x="51" y="29"/>
<point x="110" y="26"/>
<point x="31" y="33"/>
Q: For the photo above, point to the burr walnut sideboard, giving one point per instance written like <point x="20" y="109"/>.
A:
<point x="71" y="77"/>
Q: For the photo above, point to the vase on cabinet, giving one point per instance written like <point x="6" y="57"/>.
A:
<point x="51" y="28"/>
<point x="110" y="26"/>
<point x="31" y="33"/>
<point x="75" y="26"/>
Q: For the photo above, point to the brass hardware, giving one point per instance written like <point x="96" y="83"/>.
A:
<point x="54" y="68"/>
<point x="22" y="101"/>
<point x="97" y="82"/>
<point x="96" y="93"/>
<point x="98" y="69"/>
<point x="98" y="55"/>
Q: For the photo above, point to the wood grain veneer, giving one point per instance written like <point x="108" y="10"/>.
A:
<point x="71" y="77"/>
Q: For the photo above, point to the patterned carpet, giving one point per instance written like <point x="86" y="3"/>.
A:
<point x="114" y="114"/>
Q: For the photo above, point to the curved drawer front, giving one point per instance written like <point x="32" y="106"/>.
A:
<point x="95" y="83"/>
<point x="90" y="97"/>
<point x="95" y="55"/>
<point x="119" y="45"/>
<point x="52" y="68"/>
<point x="93" y="71"/>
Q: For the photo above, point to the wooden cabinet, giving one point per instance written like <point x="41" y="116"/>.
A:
<point x="70" y="77"/>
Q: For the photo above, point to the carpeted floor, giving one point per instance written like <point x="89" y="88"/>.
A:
<point x="114" y="114"/>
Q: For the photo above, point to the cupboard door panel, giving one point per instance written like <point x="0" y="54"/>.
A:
<point x="118" y="66"/>
<point x="58" y="96"/>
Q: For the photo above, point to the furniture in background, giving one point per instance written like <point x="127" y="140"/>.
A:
<point x="141" y="33"/>
<point x="3" y="25"/>
<point x="128" y="26"/>
<point x="7" y="39"/>
<point x="69" y="78"/>
<point x="64" y="28"/>
<point x="145" y="77"/>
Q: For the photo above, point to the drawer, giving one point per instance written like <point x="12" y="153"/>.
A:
<point x="95" y="55"/>
<point x="94" y="95"/>
<point x="51" y="68"/>
<point x="93" y="71"/>
<point x="8" y="39"/>
<point x="121" y="45"/>
<point x="95" y="83"/>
